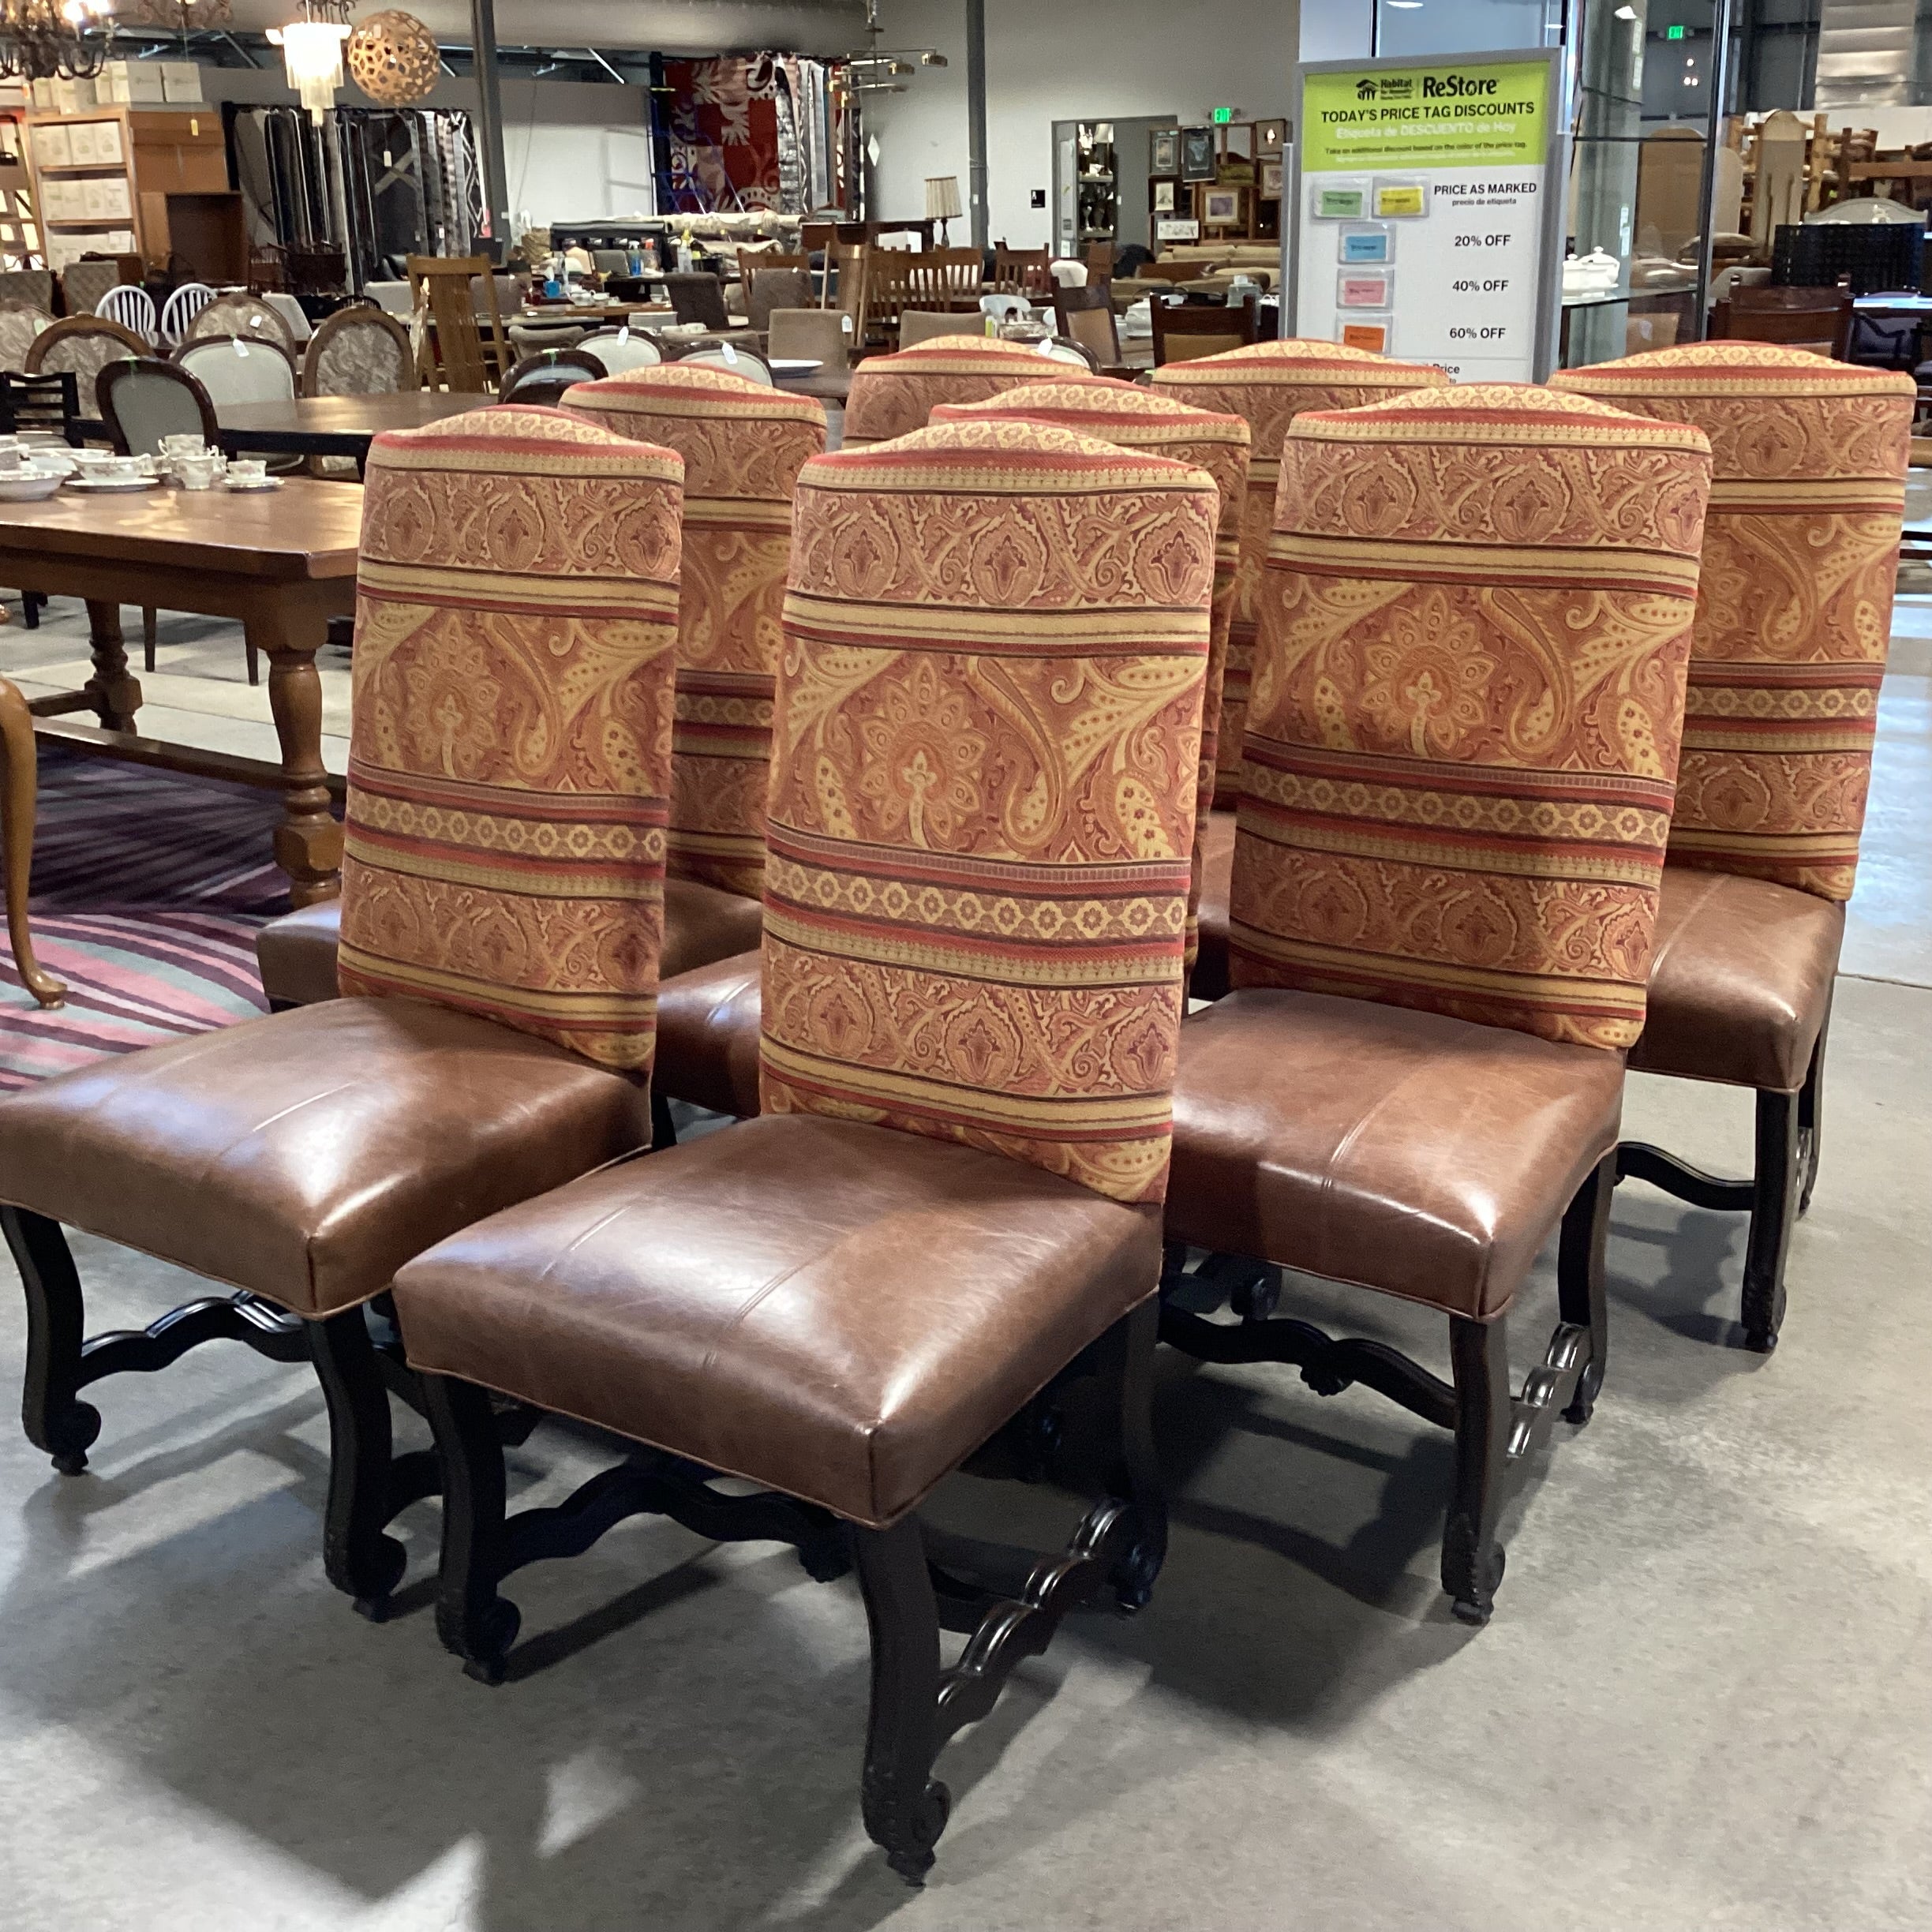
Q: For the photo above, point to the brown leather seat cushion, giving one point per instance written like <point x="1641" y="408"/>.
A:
<point x="1210" y="969"/>
<point x="708" y="1036"/>
<point x="1424" y="1156"/>
<point x="1741" y="980"/>
<point x="840" y="1311"/>
<point x="308" y="1155"/>
<point x="296" y="954"/>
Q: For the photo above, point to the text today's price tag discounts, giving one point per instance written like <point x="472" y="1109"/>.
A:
<point x="1421" y="226"/>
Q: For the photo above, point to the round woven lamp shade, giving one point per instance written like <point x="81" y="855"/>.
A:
<point x="392" y="58"/>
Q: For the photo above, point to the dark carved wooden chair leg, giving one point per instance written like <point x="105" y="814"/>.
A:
<point x="1811" y="1119"/>
<point x="474" y="1621"/>
<point x="149" y="616"/>
<point x="664" y="1129"/>
<point x="1580" y="1280"/>
<point x="360" y="1560"/>
<point x="1472" y="1558"/>
<point x="905" y="1809"/>
<point x="1139" y="1479"/>
<point x="54" y="1417"/>
<point x="1774" y="1204"/>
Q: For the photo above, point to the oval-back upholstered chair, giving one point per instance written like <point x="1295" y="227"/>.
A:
<point x="1268" y="385"/>
<point x="743" y="445"/>
<point x="1462" y="749"/>
<point x="358" y="351"/>
<point x="1131" y="417"/>
<point x="238" y="313"/>
<point x="20" y="328"/>
<point x="982" y="805"/>
<point x="83" y="346"/>
<point x="1794" y="619"/>
<point x="894" y="395"/>
<point x="515" y="649"/>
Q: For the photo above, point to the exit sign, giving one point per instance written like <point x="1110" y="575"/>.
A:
<point x="1674" y="33"/>
<point x="1222" y="116"/>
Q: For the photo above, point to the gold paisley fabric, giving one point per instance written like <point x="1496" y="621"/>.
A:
<point x="1468" y="698"/>
<point x="1268" y="385"/>
<point x="744" y="444"/>
<point x="1794" y="614"/>
<point x="894" y="395"/>
<point x="509" y="764"/>
<point x="1133" y="417"/>
<point x="982" y="796"/>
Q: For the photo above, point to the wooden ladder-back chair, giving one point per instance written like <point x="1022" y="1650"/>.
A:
<point x="450" y="349"/>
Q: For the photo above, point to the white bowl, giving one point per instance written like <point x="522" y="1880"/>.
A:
<point x="30" y="486"/>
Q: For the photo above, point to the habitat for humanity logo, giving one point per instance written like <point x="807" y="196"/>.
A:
<point x="1386" y="87"/>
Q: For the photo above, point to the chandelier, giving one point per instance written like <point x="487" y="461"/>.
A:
<point x="311" y="52"/>
<point x="47" y="40"/>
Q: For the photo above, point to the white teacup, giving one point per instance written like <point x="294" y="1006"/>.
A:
<point x="199" y="473"/>
<point x="184" y="445"/>
<point x="247" y="469"/>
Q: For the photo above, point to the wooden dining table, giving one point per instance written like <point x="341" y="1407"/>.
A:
<point x="282" y="562"/>
<point x="342" y="425"/>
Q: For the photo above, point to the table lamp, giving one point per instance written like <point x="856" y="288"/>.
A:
<point x="942" y="204"/>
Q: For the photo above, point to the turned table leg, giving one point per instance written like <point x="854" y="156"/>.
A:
<point x="308" y="841"/>
<point x="18" y="785"/>
<point x="113" y="690"/>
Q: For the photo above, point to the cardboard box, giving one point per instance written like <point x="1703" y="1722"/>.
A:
<point x="181" y="81"/>
<point x="73" y="96"/>
<point x="53" y="146"/>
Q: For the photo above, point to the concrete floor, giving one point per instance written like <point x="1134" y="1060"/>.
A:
<point x="1705" y="1700"/>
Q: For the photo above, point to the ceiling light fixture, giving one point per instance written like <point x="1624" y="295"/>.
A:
<point x="47" y="39"/>
<point x="312" y="53"/>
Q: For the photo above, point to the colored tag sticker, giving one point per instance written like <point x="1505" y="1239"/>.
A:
<point x="1365" y="292"/>
<point x="1365" y="245"/>
<point x="1399" y="198"/>
<point x="1338" y="203"/>
<point x="1373" y="336"/>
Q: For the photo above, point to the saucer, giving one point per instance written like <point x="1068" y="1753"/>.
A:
<point x="248" y="489"/>
<point x="113" y="484"/>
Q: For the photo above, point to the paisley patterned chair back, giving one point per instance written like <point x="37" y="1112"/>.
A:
<point x="894" y="395"/>
<point x="982" y="796"/>
<point x="510" y="761"/>
<point x="1794" y="612"/>
<point x="1468" y="698"/>
<point x="1268" y="386"/>
<point x="1131" y="417"/>
<point x="743" y="445"/>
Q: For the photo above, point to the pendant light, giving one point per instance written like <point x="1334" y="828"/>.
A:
<point x="311" y="52"/>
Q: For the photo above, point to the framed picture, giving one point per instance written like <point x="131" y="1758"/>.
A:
<point x="1163" y="197"/>
<point x="1222" y="208"/>
<point x="1271" y="137"/>
<point x="1271" y="177"/>
<point x="1164" y="151"/>
<point x="1197" y="154"/>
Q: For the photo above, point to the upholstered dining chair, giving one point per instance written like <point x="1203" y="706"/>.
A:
<point x="623" y="349"/>
<point x="20" y="327"/>
<point x="698" y="297"/>
<point x="1268" y="385"/>
<point x="892" y="395"/>
<point x="741" y="442"/>
<point x="240" y="314"/>
<point x="142" y="400"/>
<point x="1141" y="419"/>
<point x="547" y="377"/>
<point x="767" y="289"/>
<point x="1794" y="619"/>
<point x="502" y="906"/>
<point x="83" y="345"/>
<point x="973" y="947"/>
<point x="361" y="350"/>
<point x="1187" y="333"/>
<point x="1462" y="748"/>
<point x="83" y="283"/>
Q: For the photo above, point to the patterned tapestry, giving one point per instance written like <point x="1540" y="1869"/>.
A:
<point x="747" y="131"/>
<point x="1795" y="613"/>
<point x="1468" y="698"/>
<point x="987" y="741"/>
<point x="509" y="764"/>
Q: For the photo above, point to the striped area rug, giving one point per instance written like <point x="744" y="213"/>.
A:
<point x="148" y="887"/>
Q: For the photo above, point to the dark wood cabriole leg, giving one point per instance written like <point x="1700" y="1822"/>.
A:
<point x="360" y="1560"/>
<point x="54" y="1418"/>
<point x="472" y="1619"/>
<point x="904" y="1807"/>
<point x="1811" y="1118"/>
<point x="1138" y="1479"/>
<point x="1472" y="1558"/>
<point x="1580" y="1280"/>
<point x="1774" y="1211"/>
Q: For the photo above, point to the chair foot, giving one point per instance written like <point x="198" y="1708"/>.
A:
<point x="150" y="618"/>
<point x="1580" y="1289"/>
<point x="1472" y="1558"/>
<point x="54" y="1418"/>
<point x="363" y="1563"/>
<point x="1131" y="1347"/>
<point x="474" y="1621"/>
<point x="1811" y="1119"/>
<point x="1775" y="1195"/>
